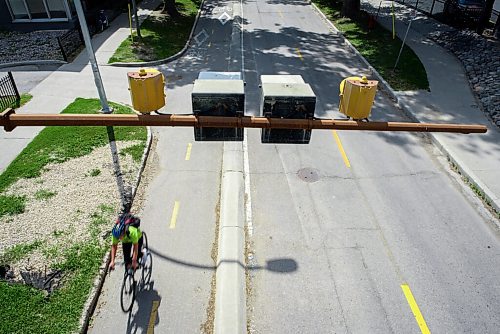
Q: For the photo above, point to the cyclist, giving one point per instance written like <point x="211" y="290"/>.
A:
<point x="128" y="232"/>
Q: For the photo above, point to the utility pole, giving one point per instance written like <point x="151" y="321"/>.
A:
<point x="104" y="101"/>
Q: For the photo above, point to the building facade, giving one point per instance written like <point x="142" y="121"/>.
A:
<point x="29" y="15"/>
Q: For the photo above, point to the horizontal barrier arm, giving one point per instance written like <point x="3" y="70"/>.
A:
<point x="9" y="120"/>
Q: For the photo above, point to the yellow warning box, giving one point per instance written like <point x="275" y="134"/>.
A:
<point x="357" y="96"/>
<point x="147" y="90"/>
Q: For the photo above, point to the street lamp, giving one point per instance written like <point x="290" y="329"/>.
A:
<point x="106" y="109"/>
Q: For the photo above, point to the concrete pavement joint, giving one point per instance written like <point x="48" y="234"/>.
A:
<point x="408" y="111"/>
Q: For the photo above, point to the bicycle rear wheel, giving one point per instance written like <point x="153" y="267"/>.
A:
<point x="127" y="295"/>
<point x="147" y="262"/>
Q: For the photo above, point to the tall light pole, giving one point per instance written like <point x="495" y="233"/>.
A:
<point x="104" y="101"/>
<point x="93" y="63"/>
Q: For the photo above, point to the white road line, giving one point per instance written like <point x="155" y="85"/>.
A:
<point x="248" y="195"/>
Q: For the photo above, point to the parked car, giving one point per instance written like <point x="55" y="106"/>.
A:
<point x="464" y="11"/>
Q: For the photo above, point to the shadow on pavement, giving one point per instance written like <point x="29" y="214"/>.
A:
<point x="282" y="265"/>
<point x="139" y="317"/>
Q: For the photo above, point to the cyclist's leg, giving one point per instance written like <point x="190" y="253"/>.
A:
<point x="139" y="256"/>
<point x="127" y="252"/>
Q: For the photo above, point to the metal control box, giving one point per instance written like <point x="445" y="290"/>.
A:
<point x="357" y="96"/>
<point x="287" y="97"/>
<point x="218" y="96"/>
<point x="147" y="90"/>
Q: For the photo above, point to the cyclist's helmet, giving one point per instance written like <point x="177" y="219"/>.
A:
<point x="118" y="229"/>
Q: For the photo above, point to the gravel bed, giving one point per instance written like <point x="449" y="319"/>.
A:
<point x="36" y="45"/>
<point x="64" y="219"/>
<point x="481" y="60"/>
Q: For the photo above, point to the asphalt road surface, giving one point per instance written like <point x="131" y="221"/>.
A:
<point x="353" y="233"/>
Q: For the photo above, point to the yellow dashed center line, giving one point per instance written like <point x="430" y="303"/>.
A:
<point x="281" y="14"/>
<point x="173" y="220"/>
<point x="188" y="151"/>
<point x="300" y="54"/>
<point x="414" y="308"/>
<point x="152" y="317"/>
<point x="341" y="149"/>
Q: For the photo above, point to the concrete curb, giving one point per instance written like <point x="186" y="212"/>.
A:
<point x="230" y="299"/>
<point x="408" y="111"/>
<point x="91" y="302"/>
<point x="33" y="63"/>
<point x="171" y="58"/>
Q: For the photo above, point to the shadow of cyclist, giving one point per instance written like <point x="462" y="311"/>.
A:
<point x="146" y="304"/>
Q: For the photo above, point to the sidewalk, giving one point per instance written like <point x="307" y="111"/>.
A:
<point x="450" y="100"/>
<point x="74" y="80"/>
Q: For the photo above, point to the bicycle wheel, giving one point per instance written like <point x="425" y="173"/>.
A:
<point x="127" y="296"/>
<point x="144" y="240"/>
<point x="147" y="262"/>
<point x="147" y="268"/>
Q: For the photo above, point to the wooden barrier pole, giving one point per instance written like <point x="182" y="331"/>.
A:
<point x="9" y="120"/>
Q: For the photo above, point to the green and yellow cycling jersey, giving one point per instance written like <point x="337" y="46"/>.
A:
<point x="133" y="236"/>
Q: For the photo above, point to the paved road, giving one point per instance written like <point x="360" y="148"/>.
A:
<point x="331" y="256"/>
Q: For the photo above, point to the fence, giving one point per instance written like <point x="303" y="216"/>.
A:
<point x="433" y="7"/>
<point x="9" y="95"/>
<point x="70" y="44"/>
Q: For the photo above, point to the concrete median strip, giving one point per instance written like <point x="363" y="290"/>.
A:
<point x="230" y="299"/>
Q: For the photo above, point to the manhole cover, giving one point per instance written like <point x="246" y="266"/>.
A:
<point x="308" y="174"/>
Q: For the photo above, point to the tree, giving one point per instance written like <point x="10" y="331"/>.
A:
<point x="485" y="16"/>
<point x="170" y="8"/>
<point x="137" y="25"/>
<point x="350" y="8"/>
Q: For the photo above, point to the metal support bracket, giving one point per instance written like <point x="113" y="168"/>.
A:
<point x="6" y="116"/>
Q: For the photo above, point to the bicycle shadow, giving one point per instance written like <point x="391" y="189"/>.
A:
<point x="145" y="307"/>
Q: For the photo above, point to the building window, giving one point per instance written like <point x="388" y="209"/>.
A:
<point x="56" y="8"/>
<point x="18" y="9"/>
<point x="39" y="10"/>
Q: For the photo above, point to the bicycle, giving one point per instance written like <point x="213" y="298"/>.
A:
<point x="129" y="285"/>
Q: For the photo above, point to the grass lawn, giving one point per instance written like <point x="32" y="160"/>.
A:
<point x="25" y="309"/>
<point x="25" y="98"/>
<point x="378" y="47"/>
<point x="59" y="144"/>
<point x="162" y="35"/>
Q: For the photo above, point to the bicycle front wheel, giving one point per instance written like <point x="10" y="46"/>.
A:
<point x="127" y="296"/>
